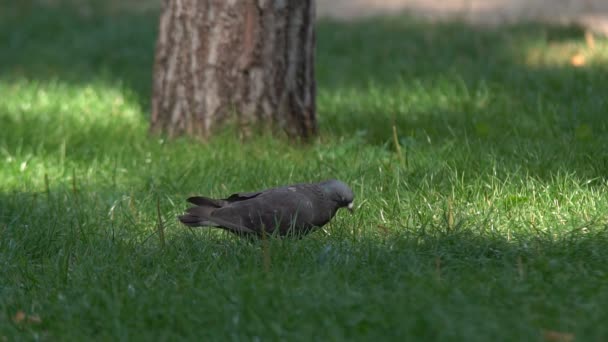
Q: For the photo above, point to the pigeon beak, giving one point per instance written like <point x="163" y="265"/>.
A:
<point x="350" y="207"/>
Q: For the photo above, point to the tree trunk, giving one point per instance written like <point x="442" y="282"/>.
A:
<point x="245" y="61"/>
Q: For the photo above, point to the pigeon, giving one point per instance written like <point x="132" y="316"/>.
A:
<point x="288" y="210"/>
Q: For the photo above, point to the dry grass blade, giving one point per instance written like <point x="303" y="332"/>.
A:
<point x="161" y="228"/>
<point x="557" y="336"/>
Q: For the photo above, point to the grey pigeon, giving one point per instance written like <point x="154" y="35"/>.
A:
<point x="289" y="210"/>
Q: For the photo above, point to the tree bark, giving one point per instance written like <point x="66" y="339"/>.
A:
<point x="245" y="61"/>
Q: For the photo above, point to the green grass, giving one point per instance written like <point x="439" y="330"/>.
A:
<point x="491" y="225"/>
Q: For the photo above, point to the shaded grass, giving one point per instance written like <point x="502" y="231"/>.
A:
<point x="490" y="225"/>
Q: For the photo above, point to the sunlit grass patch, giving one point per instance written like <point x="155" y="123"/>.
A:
<point x="583" y="51"/>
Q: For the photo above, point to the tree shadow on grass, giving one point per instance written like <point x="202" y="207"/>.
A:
<point x="452" y="87"/>
<point x="496" y="91"/>
<point x="530" y="96"/>
<point x="524" y="66"/>
<point x="75" y="249"/>
<point x="78" y="44"/>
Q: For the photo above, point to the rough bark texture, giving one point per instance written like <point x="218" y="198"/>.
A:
<point x="248" y="60"/>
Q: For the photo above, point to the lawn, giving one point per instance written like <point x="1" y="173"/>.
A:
<point x="478" y="157"/>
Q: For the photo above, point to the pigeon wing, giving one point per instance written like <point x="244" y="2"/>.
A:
<point x="281" y="209"/>
<point x="241" y="196"/>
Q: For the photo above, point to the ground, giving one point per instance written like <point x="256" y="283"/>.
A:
<point x="589" y="13"/>
<point x="477" y="156"/>
<point x="592" y="14"/>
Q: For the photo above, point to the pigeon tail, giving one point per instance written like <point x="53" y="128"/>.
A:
<point x="198" y="216"/>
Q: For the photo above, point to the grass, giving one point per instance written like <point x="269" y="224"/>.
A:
<point x="487" y="221"/>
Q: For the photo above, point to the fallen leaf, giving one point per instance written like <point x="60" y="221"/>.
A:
<point x="578" y="60"/>
<point x="19" y="317"/>
<point x="557" y="336"/>
<point x="383" y="229"/>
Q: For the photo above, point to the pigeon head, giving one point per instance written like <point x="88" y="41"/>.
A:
<point x="338" y="192"/>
